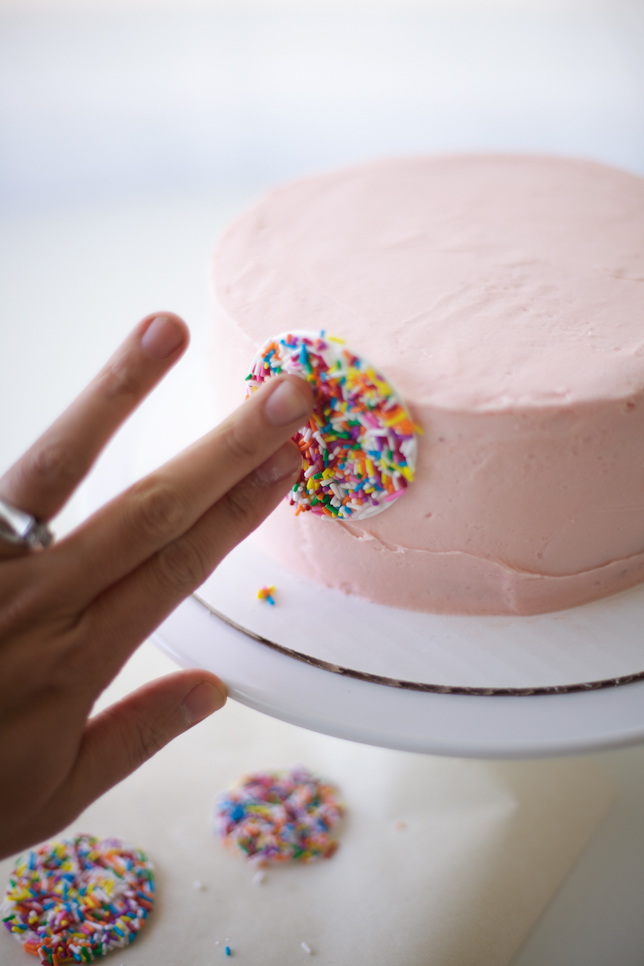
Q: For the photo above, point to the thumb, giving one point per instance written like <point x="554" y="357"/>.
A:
<point x="118" y="740"/>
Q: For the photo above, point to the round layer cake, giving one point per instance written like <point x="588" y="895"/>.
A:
<point x="503" y="296"/>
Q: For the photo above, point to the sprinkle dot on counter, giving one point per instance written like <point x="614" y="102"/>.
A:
<point x="281" y="816"/>
<point x="78" y="898"/>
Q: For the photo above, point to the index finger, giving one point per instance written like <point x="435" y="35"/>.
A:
<point x="163" y="506"/>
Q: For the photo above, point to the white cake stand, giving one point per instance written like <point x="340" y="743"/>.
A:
<point x="579" y="674"/>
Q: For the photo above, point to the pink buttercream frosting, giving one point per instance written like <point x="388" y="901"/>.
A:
<point x="504" y="297"/>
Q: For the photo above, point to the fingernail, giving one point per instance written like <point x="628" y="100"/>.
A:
<point x="286" y="462"/>
<point x="203" y="700"/>
<point x="162" y="337"/>
<point x="286" y="404"/>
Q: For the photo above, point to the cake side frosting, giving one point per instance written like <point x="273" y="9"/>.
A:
<point x="504" y="297"/>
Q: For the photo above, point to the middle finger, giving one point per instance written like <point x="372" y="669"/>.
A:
<point x="44" y="478"/>
<point x="167" y="503"/>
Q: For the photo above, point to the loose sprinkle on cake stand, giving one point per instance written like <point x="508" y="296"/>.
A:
<point x="76" y="899"/>
<point x="359" y="448"/>
<point x="280" y="816"/>
<point x="267" y="594"/>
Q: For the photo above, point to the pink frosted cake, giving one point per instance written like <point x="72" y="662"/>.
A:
<point x="504" y="298"/>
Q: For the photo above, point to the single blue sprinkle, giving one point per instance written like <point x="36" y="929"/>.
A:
<point x="228" y="952"/>
<point x="237" y="812"/>
<point x="322" y="333"/>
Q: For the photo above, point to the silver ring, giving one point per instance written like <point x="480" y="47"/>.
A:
<point x="22" y="528"/>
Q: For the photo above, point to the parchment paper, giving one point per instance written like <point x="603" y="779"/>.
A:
<point x="482" y="849"/>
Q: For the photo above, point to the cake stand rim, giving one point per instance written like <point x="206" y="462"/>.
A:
<point x="425" y="687"/>
<point x="452" y="725"/>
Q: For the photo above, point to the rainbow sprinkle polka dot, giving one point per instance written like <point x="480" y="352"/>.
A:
<point x="280" y="816"/>
<point x="359" y="448"/>
<point x="76" y="899"/>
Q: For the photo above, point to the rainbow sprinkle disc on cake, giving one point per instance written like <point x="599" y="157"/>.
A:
<point x="359" y="448"/>
<point x="76" y="899"/>
<point x="280" y="816"/>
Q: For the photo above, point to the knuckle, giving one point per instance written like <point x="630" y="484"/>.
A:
<point x="241" y="443"/>
<point x="140" y="735"/>
<point x="120" y="380"/>
<point x="240" y="505"/>
<point x="148" y="739"/>
<point x="53" y="464"/>
<point x="182" y="566"/>
<point x="158" y="509"/>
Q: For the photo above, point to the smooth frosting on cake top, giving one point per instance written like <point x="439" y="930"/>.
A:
<point x="483" y="283"/>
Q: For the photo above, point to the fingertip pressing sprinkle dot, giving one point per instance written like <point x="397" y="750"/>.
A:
<point x="267" y="594"/>
<point x="307" y="949"/>
<point x="279" y="816"/>
<point x="76" y="899"/>
<point x="359" y="447"/>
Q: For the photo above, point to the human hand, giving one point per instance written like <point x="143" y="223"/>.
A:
<point x="71" y="615"/>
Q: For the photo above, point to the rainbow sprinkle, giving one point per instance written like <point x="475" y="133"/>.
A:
<point x="76" y="899"/>
<point x="279" y="816"/>
<point x="267" y="594"/>
<point x="359" y="448"/>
